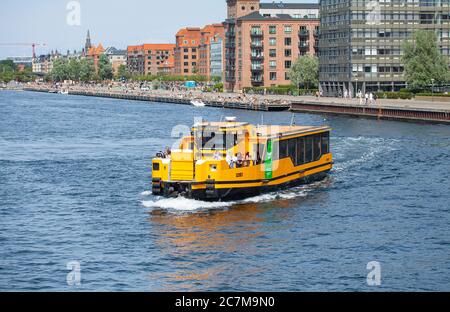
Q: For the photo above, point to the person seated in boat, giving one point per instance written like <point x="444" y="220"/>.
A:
<point x="167" y="153"/>
<point x="229" y="160"/>
<point x="247" y="160"/>
<point x="239" y="160"/>
<point x="217" y="156"/>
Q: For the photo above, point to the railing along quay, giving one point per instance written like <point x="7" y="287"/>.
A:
<point x="174" y="100"/>
<point x="380" y="112"/>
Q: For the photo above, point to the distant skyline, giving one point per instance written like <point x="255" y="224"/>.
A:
<point x="111" y="23"/>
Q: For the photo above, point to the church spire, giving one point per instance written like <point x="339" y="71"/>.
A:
<point x="88" y="42"/>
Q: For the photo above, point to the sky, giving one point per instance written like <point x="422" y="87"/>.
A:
<point x="111" y="22"/>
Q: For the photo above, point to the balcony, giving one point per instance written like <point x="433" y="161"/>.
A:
<point x="257" y="56"/>
<point x="256" y="44"/>
<point x="257" y="80"/>
<point x="303" y="33"/>
<point x="230" y="34"/>
<point x="303" y="45"/>
<point x="230" y="56"/>
<point x="257" y="67"/>
<point x="256" y="33"/>
<point x="230" y="45"/>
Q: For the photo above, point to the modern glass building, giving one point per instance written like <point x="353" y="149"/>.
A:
<point x="360" y="46"/>
<point x="216" y="60"/>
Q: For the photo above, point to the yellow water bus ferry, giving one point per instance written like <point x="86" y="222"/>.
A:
<point x="232" y="160"/>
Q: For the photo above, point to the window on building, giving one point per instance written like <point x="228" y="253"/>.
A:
<point x="186" y="50"/>
<point x="273" y="76"/>
<point x="287" y="41"/>
<point x="288" y="53"/>
<point x="186" y="70"/>
<point x="272" y="30"/>
<point x="288" y="29"/>
<point x="194" y="50"/>
<point x="287" y="64"/>
<point x="273" y="64"/>
<point x="272" y="53"/>
<point x="272" y="41"/>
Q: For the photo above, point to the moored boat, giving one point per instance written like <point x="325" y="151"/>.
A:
<point x="233" y="160"/>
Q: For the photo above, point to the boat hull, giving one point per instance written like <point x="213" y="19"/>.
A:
<point x="229" y="194"/>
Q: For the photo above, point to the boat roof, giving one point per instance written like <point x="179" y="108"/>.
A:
<point x="269" y="131"/>
<point x="222" y="125"/>
<point x="284" y="131"/>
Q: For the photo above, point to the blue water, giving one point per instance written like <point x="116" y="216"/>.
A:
<point x="75" y="181"/>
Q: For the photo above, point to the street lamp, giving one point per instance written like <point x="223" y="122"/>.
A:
<point x="432" y="90"/>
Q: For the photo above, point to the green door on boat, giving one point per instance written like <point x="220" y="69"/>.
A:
<point x="268" y="162"/>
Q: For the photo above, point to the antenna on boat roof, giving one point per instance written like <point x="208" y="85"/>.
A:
<point x="293" y="120"/>
<point x="262" y="119"/>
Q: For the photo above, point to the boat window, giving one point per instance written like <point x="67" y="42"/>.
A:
<point x="212" y="140"/>
<point x="309" y="149"/>
<point x="259" y="153"/>
<point x="292" y="150"/>
<point x="317" y="147"/>
<point x="325" y="143"/>
<point x="283" y="149"/>
<point x="300" y="152"/>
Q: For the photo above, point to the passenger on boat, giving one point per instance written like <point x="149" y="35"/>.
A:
<point x="229" y="160"/>
<point x="239" y="160"/>
<point x="247" y="160"/>
<point x="167" y="153"/>
<point x="217" y="156"/>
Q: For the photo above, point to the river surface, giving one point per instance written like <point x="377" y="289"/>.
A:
<point x="75" y="181"/>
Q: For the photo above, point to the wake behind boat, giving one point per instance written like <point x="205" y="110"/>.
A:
<point x="235" y="160"/>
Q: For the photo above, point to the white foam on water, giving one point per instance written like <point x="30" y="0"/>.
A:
<point x="373" y="147"/>
<point x="184" y="204"/>
<point x="146" y="193"/>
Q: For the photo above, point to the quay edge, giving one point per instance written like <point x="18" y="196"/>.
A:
<point x="426" y="115"/>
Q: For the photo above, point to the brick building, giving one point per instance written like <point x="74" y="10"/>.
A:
<point x="151" y="59"/>
<point x="263" y="40"/>
<point x="193" y="49"/>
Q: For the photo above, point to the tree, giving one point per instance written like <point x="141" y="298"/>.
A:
<point x="74" y="69"/>
<point x="122" y="72"/>
<point x="305" y="71"/>
<point x="87" y="70"/>
<point x="105" y="70"/>
<point x="423" y="61"/>
<point x="60" y="70"/>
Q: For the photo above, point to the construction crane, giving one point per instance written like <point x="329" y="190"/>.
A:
<point x="32" y="45"/>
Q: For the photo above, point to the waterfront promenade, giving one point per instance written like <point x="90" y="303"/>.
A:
<point x="411" y="110"/>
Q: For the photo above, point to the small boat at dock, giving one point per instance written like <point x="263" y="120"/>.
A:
<point x="198" y="103"/>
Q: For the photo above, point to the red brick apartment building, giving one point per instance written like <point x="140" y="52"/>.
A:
<point x="263" y="40"/>
<point x="151" y="59"/>
<point x="193" y="49"/>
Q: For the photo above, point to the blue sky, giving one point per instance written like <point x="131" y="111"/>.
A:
<point x="111" y="22"/>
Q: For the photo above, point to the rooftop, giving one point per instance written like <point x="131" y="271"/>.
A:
<point x="256" y="16"/>
<point x="292" y="6"/>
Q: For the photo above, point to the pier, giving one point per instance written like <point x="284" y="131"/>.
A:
<point x="402" y="110"/>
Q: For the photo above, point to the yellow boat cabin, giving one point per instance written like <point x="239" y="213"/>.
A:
<point x="233" y="160"/>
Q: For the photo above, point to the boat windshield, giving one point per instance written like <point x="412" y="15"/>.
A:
<point x="209" y="139"/>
